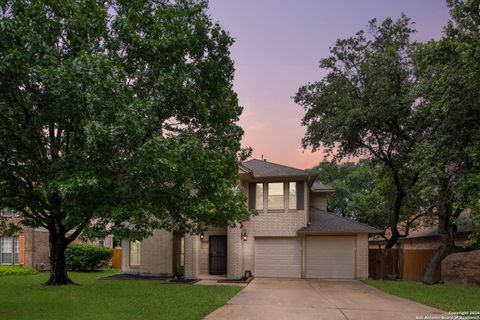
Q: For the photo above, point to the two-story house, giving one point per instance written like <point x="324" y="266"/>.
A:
<point x="292" y="236"/>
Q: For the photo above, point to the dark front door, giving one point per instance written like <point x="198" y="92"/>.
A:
<point x="217" y="255"/>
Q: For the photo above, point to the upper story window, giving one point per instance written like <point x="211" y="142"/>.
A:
<point x="276" y="197"/>
<point x="280" y="195"/>
<point x="292" y="195"/>
<point x="259" y="196"/>
<point x="6" y="213"/>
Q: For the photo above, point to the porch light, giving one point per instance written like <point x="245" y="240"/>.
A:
<point x="244" y="235"/>
<point x="202" y="236"/>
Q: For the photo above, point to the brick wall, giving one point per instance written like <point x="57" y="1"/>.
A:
<point x="192" y="263"/>
<point x="361" y="256"/>
<point x="280" y="223"/>
<point x="156" y="253"/>
<point x="234" y="256"/>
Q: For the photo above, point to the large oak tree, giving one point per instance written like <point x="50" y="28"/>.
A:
<point x="449" y="107"/>
<point x="118" y="117"/>
<point x="364" y="107"/>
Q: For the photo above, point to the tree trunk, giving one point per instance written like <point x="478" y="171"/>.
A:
<point x="58" y="268"/>
<point x="397" y="207"/>
<point x="435" y="260"/>
<point x="446" y="231"/>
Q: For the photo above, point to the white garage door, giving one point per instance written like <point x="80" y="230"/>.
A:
<point x="278" y="257"/>
<point x="330" y="257"/>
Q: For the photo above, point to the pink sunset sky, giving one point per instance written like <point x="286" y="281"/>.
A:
<point x="278" y="45"/>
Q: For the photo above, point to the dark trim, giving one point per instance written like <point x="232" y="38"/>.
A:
<point x="252" y="193"/>
<point x="300" y="195"/>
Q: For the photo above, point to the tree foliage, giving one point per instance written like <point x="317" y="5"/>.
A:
<point x="449" y="106"/>
<point x="350" y="181"/>
<point x="116" y="115"/>
<point x="366" y="193"/>
<point x="364" y="106"/>
<point x="414" y="108"/>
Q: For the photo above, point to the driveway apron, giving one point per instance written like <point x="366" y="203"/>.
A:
<point x="272" y="298"/>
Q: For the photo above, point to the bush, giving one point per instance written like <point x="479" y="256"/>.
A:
<point x="16" y="271"/>
<point x="87" y="257"/>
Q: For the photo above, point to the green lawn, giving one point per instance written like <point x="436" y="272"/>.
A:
<point x="22" y="297"/>
<point x="448" y="297"/>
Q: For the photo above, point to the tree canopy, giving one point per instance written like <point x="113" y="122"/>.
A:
<point x="449" y="106"/>
<point x="117" y="116"/>
<point x="414" y="108"/>
<point x="364" y="106"/>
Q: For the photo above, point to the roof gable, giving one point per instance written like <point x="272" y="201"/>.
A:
<point x="264" y="169"/>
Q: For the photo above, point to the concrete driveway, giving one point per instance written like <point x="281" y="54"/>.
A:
<point x="268" y="298"/>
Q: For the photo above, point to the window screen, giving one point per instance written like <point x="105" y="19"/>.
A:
<point x="275" y="195"/>
<point x="292" y="195"/>
<point x="259" y="196"/>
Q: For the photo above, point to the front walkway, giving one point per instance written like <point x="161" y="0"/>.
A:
<point x="317" y="299"/>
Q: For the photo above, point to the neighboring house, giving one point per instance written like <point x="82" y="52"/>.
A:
<point x="292" y="236"/>
<point x="30" y="247"/>
<point x="418" y="246"/>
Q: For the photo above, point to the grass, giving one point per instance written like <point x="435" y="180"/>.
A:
<point x="447" y="297"/>
<point x="16" y="271"/>
<point x="26" y="298"/>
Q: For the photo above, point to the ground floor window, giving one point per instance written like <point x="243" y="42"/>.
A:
<point x="9" y="250"/>
<point x="135" y="253"/>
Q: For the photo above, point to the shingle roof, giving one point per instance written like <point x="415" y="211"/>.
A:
<point x="462" y="229"/>
<point x="264" y="169"/>
<point x="317" y="186"/>
<point x="325" y="222"/>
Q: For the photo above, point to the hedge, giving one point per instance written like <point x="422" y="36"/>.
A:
<point x="87" y="257"/>
<point x="16" y="271"/>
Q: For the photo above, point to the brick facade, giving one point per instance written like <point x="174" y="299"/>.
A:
<point x="157" y="254"/>
<point x="361" y="257"/>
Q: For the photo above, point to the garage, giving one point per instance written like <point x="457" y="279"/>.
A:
<point x="330" y="257"/>
<point x="278" y="257"/>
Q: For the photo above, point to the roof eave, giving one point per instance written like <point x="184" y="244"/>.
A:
<point x="319" y="233"/>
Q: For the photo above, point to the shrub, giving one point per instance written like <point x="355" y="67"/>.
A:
<point x="16" y="271"/>
<point x="86" y="257"/>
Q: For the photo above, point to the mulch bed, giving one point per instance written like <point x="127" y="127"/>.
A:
<point x="127" y="276"/>
<point x="243" y="280"/>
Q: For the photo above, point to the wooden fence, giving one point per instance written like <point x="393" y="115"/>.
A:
<point x="414" y="263"/>
<point x="117" y="258"/>
<point x="402" y="264"/>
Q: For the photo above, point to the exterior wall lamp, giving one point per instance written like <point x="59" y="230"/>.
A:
<point x="244" y="235"/>
<point x="202" y="236"/>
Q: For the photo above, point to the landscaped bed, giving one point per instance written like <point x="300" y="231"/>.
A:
<point x="25" y="298"/>
<point x="448" y="297"/>
<point x="16" y="271"/>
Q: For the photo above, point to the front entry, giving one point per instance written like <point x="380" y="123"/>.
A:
<point x="217" y="255"/>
